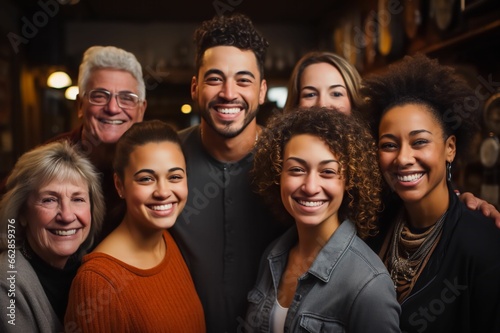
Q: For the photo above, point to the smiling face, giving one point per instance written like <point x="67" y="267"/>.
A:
<point x="322" y="85"/>
<point x="107" y="123"/>
<point x="154" y="185"/>
<point x="58" y="219"/>
<point x="228" y="89"/>
<point x="413" y="153"/>
<point x="311" y="186"/>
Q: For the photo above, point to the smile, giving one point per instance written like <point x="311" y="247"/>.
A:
<point x="310" y="203"/>
<point x="410" y="178"/>
<point x="111" y="122"/>
<point x="161" y="207"/>
<point x="61" y="232"/>
<point x="228" y="110"/>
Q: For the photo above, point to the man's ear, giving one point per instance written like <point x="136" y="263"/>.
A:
<point x="79" y="106"/>
<point x="142" y="109"/>
<point x="194" y="88"/>
<point x="262" y="92"/>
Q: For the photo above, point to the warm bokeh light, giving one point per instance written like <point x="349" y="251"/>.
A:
<point x="278" y="95"/>
<point x="71" y="93"/>
<point x="59" y="80"/>
<point x="186" y="108"/>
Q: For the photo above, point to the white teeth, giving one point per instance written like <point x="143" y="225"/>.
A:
<point x="410" y="178"/>
<point x="64" y="232"/>
<point x="228" y="110"/>
<point x="112" y="122"/>
<point x="310" y="203"/>
<point x="162" y="207"/>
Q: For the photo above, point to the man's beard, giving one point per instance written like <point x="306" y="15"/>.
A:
<point x="228" y="132"/>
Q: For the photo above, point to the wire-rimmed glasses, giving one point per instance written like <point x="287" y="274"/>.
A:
<point x="125" y="99"/>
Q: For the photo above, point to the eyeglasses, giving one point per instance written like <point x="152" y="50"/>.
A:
<point x="125" y="100"/>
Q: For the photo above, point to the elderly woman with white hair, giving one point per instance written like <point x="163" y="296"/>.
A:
<point x="49" y="217"/>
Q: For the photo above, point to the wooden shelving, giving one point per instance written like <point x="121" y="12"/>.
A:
<point x="487" y="34"/>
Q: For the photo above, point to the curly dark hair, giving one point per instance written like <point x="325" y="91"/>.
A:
<point x="348" y="138"/>
<point x="236" y="30"/>
<point x="421" y="80"/>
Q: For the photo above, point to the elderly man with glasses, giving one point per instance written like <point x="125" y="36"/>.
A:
<point x="112" y="97"/>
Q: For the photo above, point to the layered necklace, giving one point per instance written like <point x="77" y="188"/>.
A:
<point x="409" y="252"/>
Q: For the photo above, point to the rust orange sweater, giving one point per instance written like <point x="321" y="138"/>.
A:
<point x="108" y="295"/>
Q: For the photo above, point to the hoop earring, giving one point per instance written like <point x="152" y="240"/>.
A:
<point x="448" y="171"/>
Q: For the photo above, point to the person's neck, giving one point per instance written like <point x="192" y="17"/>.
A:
<point x="229" y="149"/>
<point x="313" y="239"/>
<point x="144" y="240"/>
<point x="425" y="213"/>
<point x="139" y="247"/>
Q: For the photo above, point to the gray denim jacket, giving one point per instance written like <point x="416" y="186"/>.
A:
<point x="346" y="289"/>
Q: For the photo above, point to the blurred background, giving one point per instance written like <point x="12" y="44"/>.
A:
<point x="46" y="36"/>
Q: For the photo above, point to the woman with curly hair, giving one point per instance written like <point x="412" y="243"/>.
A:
<point x="316" y="168"/>
<point x="325" y="79"/>
<point x="444" y="259"/>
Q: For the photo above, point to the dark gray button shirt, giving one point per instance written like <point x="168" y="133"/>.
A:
<point x="222" y="233"/>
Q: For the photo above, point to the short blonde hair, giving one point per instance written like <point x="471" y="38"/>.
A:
<point x="54" y="161"/>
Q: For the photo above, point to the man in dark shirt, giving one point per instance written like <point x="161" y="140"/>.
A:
<point x="225" y="226"/>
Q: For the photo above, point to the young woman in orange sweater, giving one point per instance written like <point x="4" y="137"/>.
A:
<point x="136" y="279"/>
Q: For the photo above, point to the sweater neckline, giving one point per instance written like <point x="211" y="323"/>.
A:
<point x="136" y="270"/>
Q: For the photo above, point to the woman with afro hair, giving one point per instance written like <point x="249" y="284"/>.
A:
<point x="444" y="259"/>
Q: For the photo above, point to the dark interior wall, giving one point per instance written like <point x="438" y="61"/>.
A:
<point x="31" y="113"/>
<point x="10" y="117"/>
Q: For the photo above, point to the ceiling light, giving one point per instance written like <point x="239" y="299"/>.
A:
<point x="71" y="93"/>
<point x="278" y="95"/>
<point x="186" y="108"/>
<point x="58" y="80"/>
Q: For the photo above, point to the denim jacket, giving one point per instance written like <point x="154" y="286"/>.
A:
<point x="346" y="289"/>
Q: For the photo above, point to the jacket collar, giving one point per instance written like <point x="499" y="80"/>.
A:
<point x="330" y="254"/>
